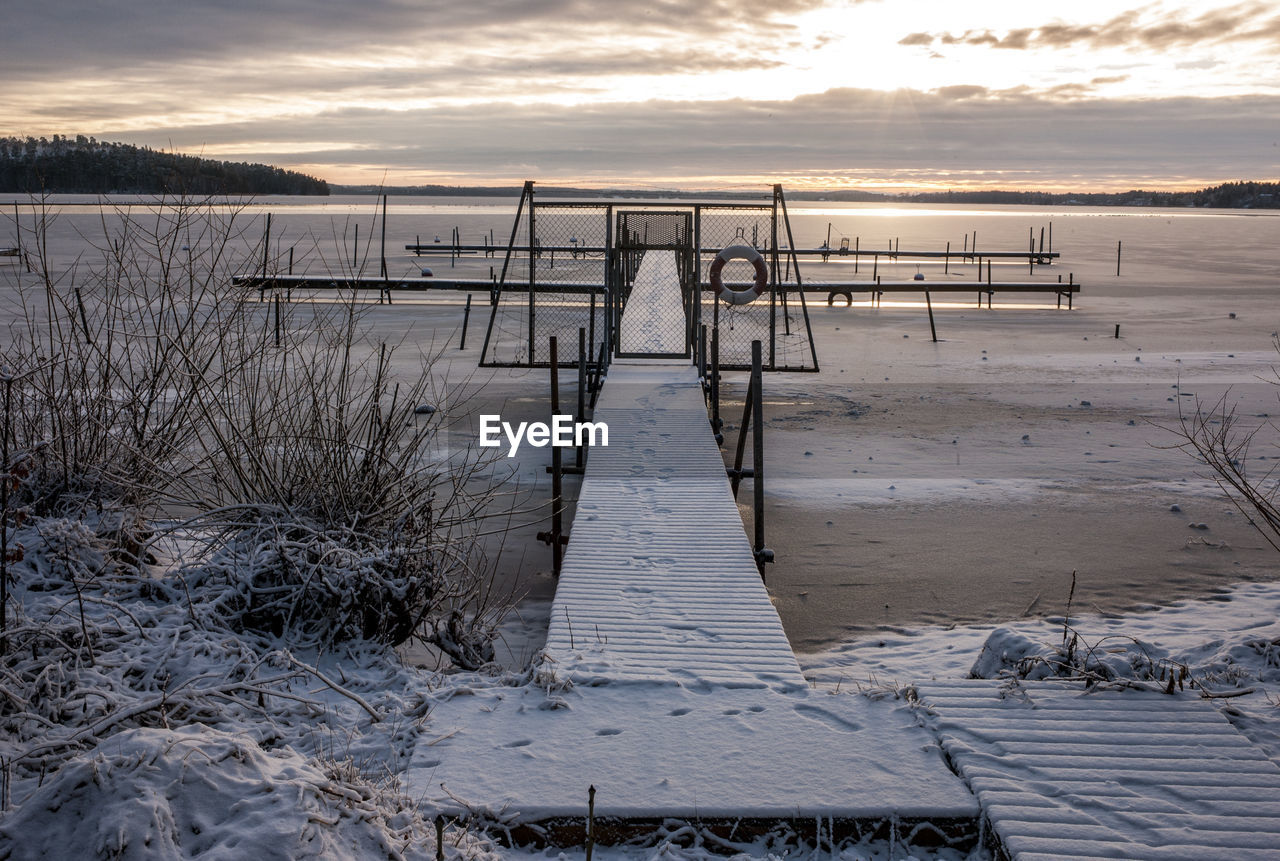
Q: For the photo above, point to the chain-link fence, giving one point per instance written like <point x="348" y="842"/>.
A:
<point x="636" y="277"/>
<point x="552" y="283"/>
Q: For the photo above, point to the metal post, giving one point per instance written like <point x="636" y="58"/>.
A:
<point x="702" y="359"/>
<point x="579" y="453"/>
<point x="929" y="302"/>
<point x="276" y="297"/>
<point x="757" y="457"/>
<point x="716" y="423"/>
<point x="466" y="316"/>
<point x="533" y="271"/>
<point x="383" y="253"/>
<point x="556" y="467"/>
<point x="736" y="474"/>
<point x="266" y="246"/>
<point x="773" y="293"/>
<point x="1118" y="243"/>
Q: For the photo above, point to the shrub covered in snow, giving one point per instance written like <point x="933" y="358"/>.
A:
<point x="153" y="793"/>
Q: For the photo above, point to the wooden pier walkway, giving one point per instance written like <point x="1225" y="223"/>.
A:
<point x="668" y="685"/>
<point x="658" y="582"/>
<point x="1065" y="773"/>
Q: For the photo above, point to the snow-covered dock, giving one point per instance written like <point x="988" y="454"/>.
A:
<point x="1061" y="772"/>
<point x="659" y="582"/>
<point x="668" y="682"/>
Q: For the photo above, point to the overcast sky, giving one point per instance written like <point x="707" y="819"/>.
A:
<point x="1088" y="94"/>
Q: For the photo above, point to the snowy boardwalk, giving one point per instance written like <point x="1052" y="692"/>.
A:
<point x="1111" y="774"/>
<point x="669" y="684"/>
<point x="654" y="319"/>
<point x="659" y="582"/>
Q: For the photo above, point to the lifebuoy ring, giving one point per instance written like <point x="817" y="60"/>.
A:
<point x="739" y="297"/>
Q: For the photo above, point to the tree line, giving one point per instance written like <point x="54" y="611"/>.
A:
<point x="84" y="165"/>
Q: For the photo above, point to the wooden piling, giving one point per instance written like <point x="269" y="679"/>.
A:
<point x="946" y="266"/>
<point x="1118" y="243"/>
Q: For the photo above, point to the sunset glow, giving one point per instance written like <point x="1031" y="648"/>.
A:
<point x="861" y="93"/>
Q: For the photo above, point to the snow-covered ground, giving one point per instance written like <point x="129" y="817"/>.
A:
<point x="1023" y="446"/>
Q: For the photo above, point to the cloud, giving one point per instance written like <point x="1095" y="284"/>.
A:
<point x="966" y="132"/>
<point x="1159" y="30"/>
<point x="925" y="39"/>
<point x="101" y="35"/>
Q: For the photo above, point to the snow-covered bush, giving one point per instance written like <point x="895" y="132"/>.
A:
<point x="154" y="793"/>
<point x="144" y="390"/>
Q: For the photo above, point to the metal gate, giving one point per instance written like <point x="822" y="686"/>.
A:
<point x="655" y="282"/>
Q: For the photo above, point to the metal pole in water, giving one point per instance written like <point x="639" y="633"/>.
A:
<point x="716" y="423"/>
<point x="757" y="455"/>
<point x="266" y="245"/>
<point x="929" y="302"/>
<point x="579" y="454"/>
<point x="1118" y="243"/>
<point x="556" y="468"/>
<point x="466" y="317"/>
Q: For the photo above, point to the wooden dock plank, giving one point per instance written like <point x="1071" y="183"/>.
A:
<point x="1118" y="774"/>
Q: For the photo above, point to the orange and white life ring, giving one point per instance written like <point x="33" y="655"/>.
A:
<point x="739" y="297"/>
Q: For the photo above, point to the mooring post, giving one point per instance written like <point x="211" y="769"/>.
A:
<point x="1118" y="244"/>
<point x="383" y="255"/>
<point x="855" y="255"/>
<point x="355" y="247"/>
<point x="556" y="467"/>
<point x="1117" y="331"/>
<point x="290" y="259"/>
<point x="276" y="297"/>
<point x="579" y="451"/>
<point x="757" y="458"/>
<point x="466" y="317"/>
<point x="1031" y="252"/>
<point x="929" y="304"/>
<point x="946" y="266"/>
<point x="266" y="246"/>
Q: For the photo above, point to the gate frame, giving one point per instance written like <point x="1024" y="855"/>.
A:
<point x="610" y="292"/>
